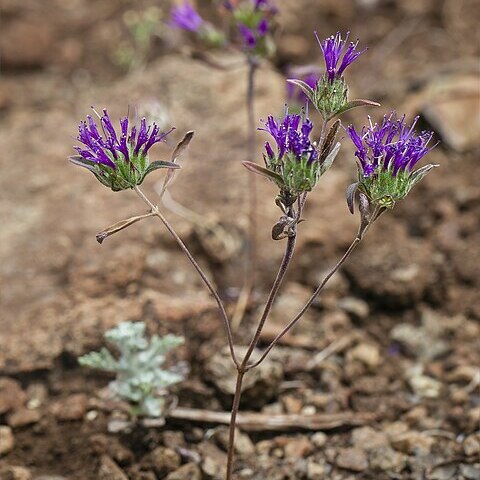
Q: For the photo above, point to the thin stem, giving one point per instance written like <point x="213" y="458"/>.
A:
<point x="197" y="267"/>
<point x="351" y="248"/>
<point x="233" y="422"/>
<point x="249" y="280"/>
<point x="287" y="257"/>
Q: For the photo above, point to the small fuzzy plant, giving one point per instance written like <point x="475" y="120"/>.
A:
<point x="140" y="378"/>
<point x="295" y="158"/>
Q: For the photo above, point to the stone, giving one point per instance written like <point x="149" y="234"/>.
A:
<point x="11" y="395"/>
<point x="190" y="471"/>
<point x="470" y="472"/>
<point x="471" y="445"/>
<point x="443" y="472"/>
<point x="315" y="471"/>
<point x="23" y="417"/>
<point x="355" y="307"/>
<point x="214" y="460"/>
<point x="7" y="440"/>
<point x="319" y="439"/>
<point x="352" y="459"/>
<point x="70" y="408"/>
<point x="10" y="472"/>
<point x="298" y="447"/>
<point x="243" y="444"/>
<point x="162" y="461"/>
<point x="259" y="385"/>
<point x="412" y="442"/>
<point x="386" y="459"/>
<point x="111" y="446"/>
<point x="423" y="385"/>
<point x="365" y="353"/>
<point x="109" y="470"/>
<point x="366" y="438"/>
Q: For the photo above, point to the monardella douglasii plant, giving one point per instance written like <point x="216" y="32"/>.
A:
<point x="296" y="155"/>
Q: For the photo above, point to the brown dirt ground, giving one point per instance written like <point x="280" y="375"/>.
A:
<point x="405" y="308"/>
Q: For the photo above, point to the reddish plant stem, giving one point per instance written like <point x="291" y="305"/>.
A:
<point x="199" y="270"/>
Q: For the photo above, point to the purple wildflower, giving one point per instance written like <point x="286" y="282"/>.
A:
<point x="292" y="136"/>
<point x="248" y="36"/>
<point x="108" y="149"/>
<point x="390" y="145"/>
<point x="333" y="48"/>
<point x="186" y="17"/>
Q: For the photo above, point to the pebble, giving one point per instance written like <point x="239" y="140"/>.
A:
<point x="23" y="417"/>
<point x="298" y="447"/>
<point x="355" y="307"/>
<point x="366" y="438"/>
<point x="319" y="439"/>
<point x="315" y="471"/>
<point x="110" y="446"/>
<point x="9" y="472"/>
<point x="412" y="442"/>
<point x="11" y="395"/>
<point x="162" y="461"/>
<point x="187" y="472"/>
<point x="7" y="440"/>
<point x="470" y="472"/>
<point x="243" y="444"/>
<point x="423" y="385"/>
<point x="471" y="445"/>
<point x="352" y="459"/>
<point x="109" y="470"/>
<point x="386" y="459"/>
<point x="365" y="353"/>
<point x="70" y="408"/>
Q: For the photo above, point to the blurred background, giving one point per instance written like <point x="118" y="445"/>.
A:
<point x="402" y="318"/>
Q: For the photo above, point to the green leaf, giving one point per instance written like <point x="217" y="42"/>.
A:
<point x="264" y="172"/>
<point x="307" y="89"/>
<point x="357" y="103"/>
<point x="160" y="164"/>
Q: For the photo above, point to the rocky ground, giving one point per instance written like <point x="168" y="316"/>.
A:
<point x="397" y="396"/>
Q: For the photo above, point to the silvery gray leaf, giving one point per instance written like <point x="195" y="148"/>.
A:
<point x="330" y="158"/>
<point x="350" y="194"/>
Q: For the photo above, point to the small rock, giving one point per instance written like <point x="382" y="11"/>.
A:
<point x="319" y="439"/>
<point x="292" y="404"/>
<point x="243" y="444"/>
<point x="7" y="440"/>
<point x="470" y="472"/>
<point x="315" y="471"/>
<point x="355" y="307"/>
<point x="109" y="470"/>
<point x="298" y="447"/>
<point x="352" y="459"/>
<point x="9" y="472"/>
<point x="162" y="461"/>
<point x="214" y="460"/>
<point x="23" y="417"/>
<point x="70" y="408"/>
<point x="471" y="445"/>
<point x="423" y="385"/>
<point x="386" y="459"/>
<point x="365" y="353"/>
<point x="259" y="385"/>
<point x="37" y="395"/>
<point x="412" y="443"/>
<point x="366" y="438"/>
<point x="11" y="395"/>
<point x="187" y="472"/>
<point x="443" y="472"/>
<point x="110" y="446"/>
<point x="50" y="477"/>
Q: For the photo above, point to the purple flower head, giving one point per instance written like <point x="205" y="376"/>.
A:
<point x="110" y="148"/>
<point x="310" y="74"/>
<point x="292" y="136"/>
<point x="392" y="145"/>
<point x="333" y="48"/>
<point x="186" y="17"/>
<point x="248" y="36"/>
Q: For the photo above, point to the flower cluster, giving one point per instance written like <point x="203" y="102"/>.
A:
<point x="387" y="154"/>
<point x="333" y="48"/>
<point x="119" y="161"/>
<point x="329" y="94"/>
<point x="295" y="164"/>
<point x="254" y="21"/>
<point x="186" y="17"/>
